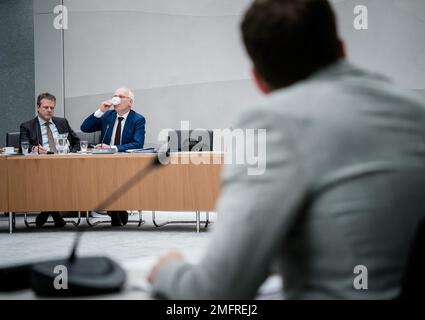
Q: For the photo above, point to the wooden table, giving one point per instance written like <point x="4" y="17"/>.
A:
<point x="78" y="182"/>
<point x="3" y="185"/>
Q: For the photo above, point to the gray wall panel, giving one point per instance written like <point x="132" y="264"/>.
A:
<point x="106" y="49"/>
<point x="171" y="7"/>
<point x="16" y="64"/>
<point x="45" y="6"/>
<point x="394" y="44"/>
<point x="49" y="60"/>
<point x="48" y="53"/>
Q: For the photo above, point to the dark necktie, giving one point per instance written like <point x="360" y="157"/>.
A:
<point x="50" y="139"/>
<point x="117" y="140"/>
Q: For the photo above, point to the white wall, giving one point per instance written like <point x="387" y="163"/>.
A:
<point x="394" y="44"/>
<point x="185" y="61"/>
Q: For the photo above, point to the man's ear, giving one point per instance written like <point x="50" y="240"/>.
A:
<point x="259" y="81"/>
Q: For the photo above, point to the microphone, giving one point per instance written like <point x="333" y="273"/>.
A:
<point x="80" y="276"/>
<point x="106" y="131"/>
<point x="73" y="254"/>
<point x="84" y="276"/>
<point x="17" y="277"/>
<point x="104" y="150"/>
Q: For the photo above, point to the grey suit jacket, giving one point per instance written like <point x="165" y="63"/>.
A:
<point x="344" y="187"/>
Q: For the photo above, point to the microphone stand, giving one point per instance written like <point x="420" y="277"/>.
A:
<point x="73" y="254"/>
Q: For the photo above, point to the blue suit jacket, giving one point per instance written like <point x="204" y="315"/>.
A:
<point x="133" y="135"/>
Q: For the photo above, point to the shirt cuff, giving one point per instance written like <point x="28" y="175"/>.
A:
<point x="115" y="147"/>
<point x="99" y="113"/>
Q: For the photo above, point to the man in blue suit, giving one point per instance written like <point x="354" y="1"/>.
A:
<point x="131" y="124"/>
<point x="121" y="128"/>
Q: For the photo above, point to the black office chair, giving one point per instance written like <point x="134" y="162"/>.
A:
<point x="12" y="139"/>
<point x="191" y="140"/>
<point x="92" y="138"/>
<point x="413" y="283"/>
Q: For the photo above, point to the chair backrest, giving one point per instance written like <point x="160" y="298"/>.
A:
<point x="90" y="137"/>
<point x="12" y="139"/>
<point x="191" y="140"/>
<point x="413" y="283"/>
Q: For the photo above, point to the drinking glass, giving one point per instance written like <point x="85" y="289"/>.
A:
<point x="25" y="145"/>
<point x="68" y="145"/>
<point x="83" y="146"/>
<point x="61" y="144"/>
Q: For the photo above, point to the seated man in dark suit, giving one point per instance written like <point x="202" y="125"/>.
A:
<point x="121" y="128"/>
<point x="41" y="133"/>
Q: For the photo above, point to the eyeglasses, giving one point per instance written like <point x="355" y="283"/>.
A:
<point x="121" y="97"/>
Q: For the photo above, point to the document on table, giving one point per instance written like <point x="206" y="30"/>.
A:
<point x="145" y="150"/>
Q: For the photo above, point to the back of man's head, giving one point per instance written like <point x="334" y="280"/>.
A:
<point x="288" y="40"/>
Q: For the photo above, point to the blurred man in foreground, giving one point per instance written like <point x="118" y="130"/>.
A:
<point x="344" y="185"/>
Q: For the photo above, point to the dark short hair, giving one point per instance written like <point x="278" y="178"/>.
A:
<point x="288" y="40"/>
<point x="47" y="96"/>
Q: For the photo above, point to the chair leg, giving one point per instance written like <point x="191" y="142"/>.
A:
<point x="76" y="224"/>
<point x="93" y="224"/>
<point x="155" y="223"/>
<point x="197" y="221"/>
<point x="27" y="224"/>
<point x="13" y="220"/>
<point x="207" y="219"/>
<point x="141" y="222"/>
<point x="79" y="219"/>
<point x="10" y="222"/>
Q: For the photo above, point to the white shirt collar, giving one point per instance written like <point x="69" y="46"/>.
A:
<point x="42" y="121"/>
<point x="124" y="115"/>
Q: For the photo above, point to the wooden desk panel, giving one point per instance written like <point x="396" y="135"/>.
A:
<point x="83" y="182"/>
<point x="3" y="184"/>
